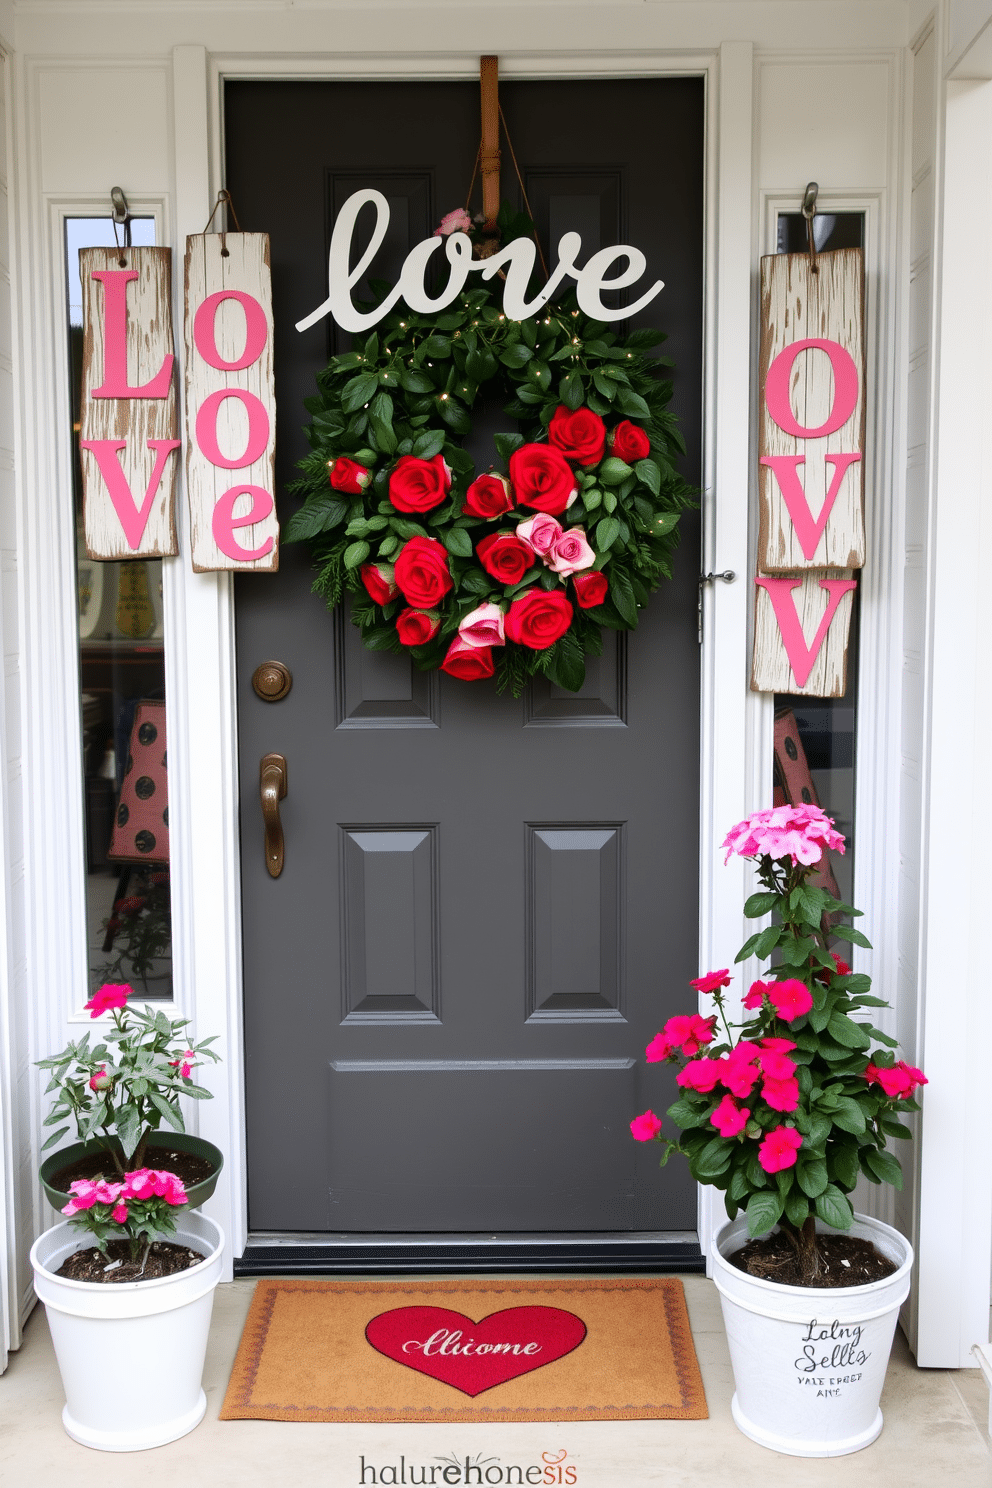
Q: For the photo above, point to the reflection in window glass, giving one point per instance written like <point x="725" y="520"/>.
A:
<point x="815" y="737"/>
<point x="122" y="686"/>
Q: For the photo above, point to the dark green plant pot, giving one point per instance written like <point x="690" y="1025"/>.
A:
<point x="196" y="1195"/>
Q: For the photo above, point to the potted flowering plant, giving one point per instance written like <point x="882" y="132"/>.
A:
<point x="783" y="1112"/>
<point x="146" y="1324"/>
<point x="118" y="1093"/>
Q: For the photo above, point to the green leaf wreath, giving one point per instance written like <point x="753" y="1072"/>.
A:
<point x="476" y="574"/>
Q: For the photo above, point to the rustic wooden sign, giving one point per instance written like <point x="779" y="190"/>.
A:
<point x="128" y="420"/>
<point x="812" y="412"/>
<point x="801" y="625"/>
<point x="230" y="403"/>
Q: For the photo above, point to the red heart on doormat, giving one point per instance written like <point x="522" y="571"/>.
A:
<point x="474" y="1357"/>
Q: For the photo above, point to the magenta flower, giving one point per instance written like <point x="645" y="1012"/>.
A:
<point x="645" y="1128"/>
<point x="186" y="1060"/>
<point x="729" y="1118"/>
<point x="756" y="994"/>
<point x="792" y="999"/>
<point x="800" y="833"/>
<point x="110" y="995"/>
<point x="119" y="1215"/>
<point x="658" y="1049"/>
<point x="777" y="1066"/>
<point x="899" y="1082"/>
<point x="99" y="1080"/>
<point x="738" y="1070"/>
<point x="779" y="1149"/>
<point x="781" y="1095"/>
<point x="780" y="1045"/>
<point x="87" y="1191"/>
<point x="700" y="1074"/>
<point x="712" y="981"/>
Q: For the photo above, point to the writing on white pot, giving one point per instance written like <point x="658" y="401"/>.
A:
<point x="831" y="1356"/>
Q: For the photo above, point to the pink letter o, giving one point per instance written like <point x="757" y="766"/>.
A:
<point x="845" y="388"/>
<point x="205" y="326"/>
<point x="224" y="522"/>
<point x="258" y="428"/>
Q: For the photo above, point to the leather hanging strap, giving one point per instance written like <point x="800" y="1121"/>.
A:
<point x="489" y="154"/>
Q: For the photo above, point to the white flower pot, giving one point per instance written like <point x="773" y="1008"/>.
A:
<point x="130" y="1355"/>
<point x="809" y="1362"/>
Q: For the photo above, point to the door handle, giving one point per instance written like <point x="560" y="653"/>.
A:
<point x="272" y="789"/>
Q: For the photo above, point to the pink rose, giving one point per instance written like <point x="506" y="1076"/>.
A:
<point x="792" y="999"/>
<point x="712" y="980"/>
<point x="110" y="995"/>
<point x="540" y="533"/>
<point x="570" y="553"/>
<point x="779" y="1149"/>
<point x="456" y="221"/>
<point x="468" y="663"/>
<point x="702" y="1075"/>
<point x="781" y="1095"/>
<point x="483" y="626"/>
<point x="729" y="1118"/>
<point x="645" y="1128"/>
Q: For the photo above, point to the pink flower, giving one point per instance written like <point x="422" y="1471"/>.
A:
<point x="147" y="1183"/>
<point x="899" y="1082"/>
<point x="119" y="1214"/>
<point x="738" y="1070"/>
<point x="186" y="1060"/>
<point x="756" y="995"/>
<point x="483" y="626"/>
<point x="99" y="1080"/>
<point x="712" y="981"/>
<point x="110" y="995"/>
<point x="570" y="553"/>
<point x="799" y="833"/>
<point x="779" y="1149"/>
<point x="688" y="1032"/>
<point x="645" y="1128"/>
<point x="776" y="1066"/>
<point x="701" y="1074"/>
<point x="540" y="533"/>
<point x="659" y="1048"/>
<point x="86" y="1192"/>
<point x="780" y="1045"/>
<point x="781" y="1095"/>
<point x="730" y="1119"/>
<point x="456" y="221"/>
<point x="791" y="998"/>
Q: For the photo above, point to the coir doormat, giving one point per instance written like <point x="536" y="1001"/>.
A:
<point x="617" y="1350"/>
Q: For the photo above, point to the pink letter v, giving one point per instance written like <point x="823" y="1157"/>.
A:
<point x="801" y="657"/>
<point x="808" y="530"/>
<point x="133" y="518"/>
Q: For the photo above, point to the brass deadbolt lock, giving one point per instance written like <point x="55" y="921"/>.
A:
<point x="271" y="681"/>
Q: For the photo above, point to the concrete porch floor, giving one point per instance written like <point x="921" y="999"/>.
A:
<point x="935" y="1432"/>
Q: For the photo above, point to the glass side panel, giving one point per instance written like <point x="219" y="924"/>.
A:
<point x="122" y="688"/>
<point x="823" y="731"/>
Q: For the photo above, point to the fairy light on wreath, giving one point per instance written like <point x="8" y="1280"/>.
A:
<point x="511" y="571"/>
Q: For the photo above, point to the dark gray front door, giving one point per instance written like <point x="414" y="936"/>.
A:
<point x="489" y="905"/>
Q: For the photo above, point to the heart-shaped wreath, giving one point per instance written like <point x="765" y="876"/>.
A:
<point x="507" y="573"/>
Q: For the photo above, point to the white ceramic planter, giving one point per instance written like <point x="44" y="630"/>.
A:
<point x="809" y="1362"/>
<point x="131" y="1355"/>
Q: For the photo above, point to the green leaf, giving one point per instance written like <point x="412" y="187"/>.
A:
<point x="613" y="471"/>
<point x="607" y="532"/>
<point x="55" y="1138"/>
<point x="760" y="904"/>
<point x="764" y="1210"/>
<point x="358" y="391"/>
<point x="812" y="1176"/>
<point x="884" y="1166"/>
<point x="428" y="444"/>
<point x="128" y="1129"/>
<point x="455" y="415"/>
<point x="571" y="391"/>
<point x="506" y="444"/>
<point x="622" y="593"/>
<point x="171" y="1114"/>
<point x="847" y="1032"/>
<point x="457" y="541"/>
<point x="517" y="355"/>
<point x="317" y="514"/>
<point x="438" y="346"/>
<point x="713" y="1159"/>
<point x="355" y="554"/>
<point x="846" y="932"/>
<point x="850" y="1117"/>
<point x="834" y="1208"/>
<point x="632" y="404"/>
<point x="568" y="666"/>
<point x="682" y="1113"/>
<point x="648" y="472"/>
<point x="413" y="380"/>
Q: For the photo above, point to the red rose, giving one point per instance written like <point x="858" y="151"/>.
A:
<point x="348" y="476"/>
<point x="422" y="572"/>
<point x="466" y="662"/>
<point x="417" y="627"/>
<point x="580" y="435"/>
<point x="629" y="443"/>
<point x="590" y="588"/>
<point x="505" y="557"/>
<point x="542" y="478"/>
<point x="418" y="485"/>
<point x="488" y="496"/>
<point x="379" y="581"/>
<point x="538" y="618"/>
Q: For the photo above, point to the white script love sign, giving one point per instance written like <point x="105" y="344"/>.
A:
<point x="516" y="260"/>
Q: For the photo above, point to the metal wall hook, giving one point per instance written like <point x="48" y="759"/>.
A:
<point x="120" y="211"/>
<point x="809" y="200"/>
<point x="727" y="576"/>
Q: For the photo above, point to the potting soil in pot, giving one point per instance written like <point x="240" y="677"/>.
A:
<point x="845" y="1261"/>
<point x="164" y="1259"/>
<point x="186" y="1165"/>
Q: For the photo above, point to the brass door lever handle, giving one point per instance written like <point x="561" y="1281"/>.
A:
<point x="272" y="789"/>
